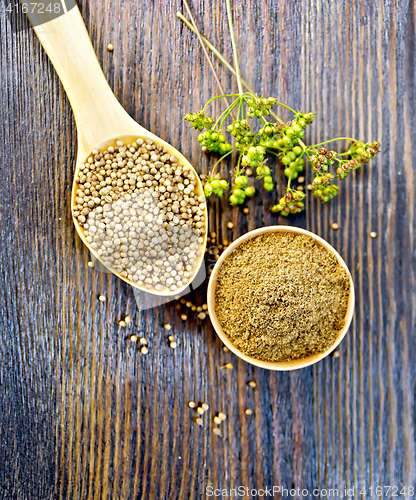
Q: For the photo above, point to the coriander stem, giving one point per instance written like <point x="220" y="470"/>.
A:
<point x="218" y="97"/>
<point x="231" y="69"/>
<point x="240" y="109"/>
<point x="225" y="114"/>
<point x="333" y="140"/>
<point x="286" y="106"/>
<point x="234" y="44"/>
<point x="233" y="105"/>
<point x="220" y="160"/>
<point x="198" y="34"/>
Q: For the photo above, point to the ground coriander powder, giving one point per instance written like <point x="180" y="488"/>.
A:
<point x="281" y="296"/>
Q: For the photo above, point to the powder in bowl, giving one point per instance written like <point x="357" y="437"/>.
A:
<point x="281" y="296"/>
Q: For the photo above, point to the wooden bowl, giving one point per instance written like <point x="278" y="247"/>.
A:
<point x="277" y="365"/>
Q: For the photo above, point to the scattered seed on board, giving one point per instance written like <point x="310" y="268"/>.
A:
<point x="144" y="350"/>
<point x="171" y="338"/>
<point x="127" y="320"/>
<point x="222" y="416"/>
<point x="133" y="338"/>
<point x="248" y="411"/>
<point x="252" y="384"/>
<point x="202" y="315"/>
<point x="205" y="406"/>
<point x="216" y="431"/>
<point x="225" y="349"/>
<point x="204" y="307"/>
<point x="199" y="421"/>
<point x="90" y="264"/>
<point x="301" y="179"/>
<point x="228" y="366"/>
<point x="167" y="326"/>
<point x="184" y="317"/>
<point x="335" y="226"/>
<point x="336" y="354"/>
<point x="101" y="298"/>
<point x="121" y="323"/>
<point x="246" y="210"/>
<point x="191" y="404"/>
<point x="373" y="234"/>
<point x="217" y="420"/>
<point x="143" y="341"/>
<point x="230" y="225"/>
<point x="249" y="172"/>
<point x="173" y="345"/>
<point x="110" y="47"/>
<point x="200" y="410"/>
<point x="309" y="187"/>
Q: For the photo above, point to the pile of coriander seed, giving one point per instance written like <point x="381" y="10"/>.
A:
<point x="141" y="213"/>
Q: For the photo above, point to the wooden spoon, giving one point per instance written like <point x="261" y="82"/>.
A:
<point x="100" y="118"/>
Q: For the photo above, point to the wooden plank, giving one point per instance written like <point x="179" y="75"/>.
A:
<point x="82" y="414"/>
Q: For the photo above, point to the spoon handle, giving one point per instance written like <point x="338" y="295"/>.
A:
<point x="98" y="114"/>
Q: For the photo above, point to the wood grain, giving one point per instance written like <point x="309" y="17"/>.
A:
<point x="82" y="414"/>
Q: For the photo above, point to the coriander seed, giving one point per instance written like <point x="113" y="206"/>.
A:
<point x="199" y="421"/>
<point x="167" y="326"/>
<point x="222" y="416"/>
<point x="252" y="384"/>
<point x="217" y="420"/>
<point x="248" y="411"/>
<point x="122" y="323"/>
<point x="335" y="226"/>
<point x="144" y="350"/>
<point x="171" y="338"/>
<point x="184" y="317"/>
<point x="216" y="431"/>
<point x="246" y="210"/>
<point x="373" y="234"/>
<point x="110" y="47"/>
<point x="173" y="345"/>
<point x="101" y="298"/>
<point x="230" y="225"/>
<point x="202" y="315"/>
<point x="228" y="366"/>
<point x="191" y="404"/>
<point x="90" y="264"/>
<point x="200" y="410"/>
<point x="143" y="341"/>
<point x="205" y="406"/>
<point x="127" y="320"/>
<point x="133" y="338"/>
<point x="141" y="213"/>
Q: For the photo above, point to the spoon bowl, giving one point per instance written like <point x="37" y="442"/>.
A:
<point x="100" y="118"/>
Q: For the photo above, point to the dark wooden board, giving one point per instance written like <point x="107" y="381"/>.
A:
<point x="82" y="415"/>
